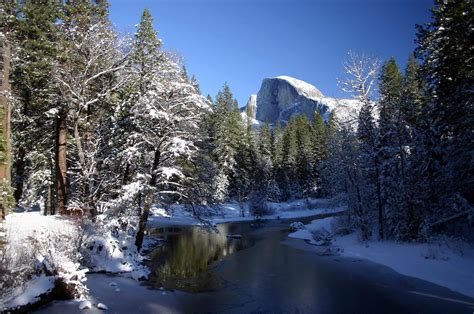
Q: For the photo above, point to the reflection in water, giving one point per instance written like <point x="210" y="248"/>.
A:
<point x="183" y="263"/>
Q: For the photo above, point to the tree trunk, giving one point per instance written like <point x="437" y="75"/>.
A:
<point x="379" y="201"/>
<point x="148" y="202"/>
<point x="61" y="162"/>
<point x="5" y="163"/>
<point x="47" y="205"/>
<point x="20" y="173"/>
<point x="143" y="220"/>
<point x="85" y="180"/>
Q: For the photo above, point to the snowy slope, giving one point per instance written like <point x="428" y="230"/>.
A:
<point x="304" y="89"/>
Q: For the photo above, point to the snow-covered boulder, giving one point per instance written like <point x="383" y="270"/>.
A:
<point x="102" y="306"/>
<point x="297" y="225"/>
<point x="85" y="305"/>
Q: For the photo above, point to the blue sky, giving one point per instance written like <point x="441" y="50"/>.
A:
<point x="242" y="42"/>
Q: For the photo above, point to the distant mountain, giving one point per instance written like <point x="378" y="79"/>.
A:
<point x="281" y="97"/>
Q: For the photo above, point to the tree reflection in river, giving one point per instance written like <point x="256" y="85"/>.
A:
<point x="183" y="263"/>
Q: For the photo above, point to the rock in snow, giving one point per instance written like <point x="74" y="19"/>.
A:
<point x="281" y="97"/>
<point x="84" y="305"/>
<point x="102" y="306"/>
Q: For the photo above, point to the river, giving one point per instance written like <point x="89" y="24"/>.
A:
<point x="263" y="272"/>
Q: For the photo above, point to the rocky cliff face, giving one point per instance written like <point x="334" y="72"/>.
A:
<point x="251" y="107"/>
<point x="281" y="97"/>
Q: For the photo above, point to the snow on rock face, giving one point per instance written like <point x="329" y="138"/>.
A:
<point x="251" y="107"/>
<point x="281" y="97"/>
<point x="302" y="87"/>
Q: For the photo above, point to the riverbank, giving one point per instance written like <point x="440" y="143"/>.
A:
<point x="34" y="239"/>
<point x="275" y="274"/>
<point x="177" y="215"/>
<point x="444" y="261"/>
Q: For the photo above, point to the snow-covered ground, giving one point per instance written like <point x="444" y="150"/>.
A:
<point x="38" y="244"/>
<point x="447" y="262"/>
<point x="231" y="212"/>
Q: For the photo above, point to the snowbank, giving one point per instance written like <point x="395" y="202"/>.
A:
<point x="34" y="289"/>
<point x="39" y="252"/>
<point x="448" y="263"/>
<point x="231" y="212"/>
<point x="109" y="246"/>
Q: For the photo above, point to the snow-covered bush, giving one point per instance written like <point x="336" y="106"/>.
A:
<point x="109" y="246"/>
<point x="39" y="246"/>
<point x="109" y="243"/>
<point x="297" y="225"/>
<point x="258" y="204"/>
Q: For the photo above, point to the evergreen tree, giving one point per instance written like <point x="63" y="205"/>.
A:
<point x="229" y="133"/>
<point x="319" y="138"/>
<point x="305" y="155"/>
<point x="445" y="47"/>
<point x="391" y="141"/>
<point x="288" y="186"/>
<point x="39" y="41"/>
<point x="265" y="145"/>
<point x="146" y="54"/>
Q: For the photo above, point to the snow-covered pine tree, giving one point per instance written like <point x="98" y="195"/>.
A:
<point x="229" y="133"/>
<point x="146" y="54"/>
<point x="391" y="143"/>
<point x="288" y="186"/>
<point x="277" y="161"/>
<point x="33" y="119"/>
<point x="414" y="99"/>
<point x="88" y="78"/>
<point x="445" y="48"/>
<point x="319" y="137"/>
<point x="305" y="170"/>
<point x="246" y="159"/>
<point x="165" y="120"/>
<point x="265" y="146"/>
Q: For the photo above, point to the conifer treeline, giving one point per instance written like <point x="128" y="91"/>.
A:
<point x="405" y="170"/>
<point x="101" y="121"/>
<point x="266" y="162"/>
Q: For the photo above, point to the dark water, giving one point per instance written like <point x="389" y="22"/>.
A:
<point x="185" y="261"/>
<point x="265" y="272"/>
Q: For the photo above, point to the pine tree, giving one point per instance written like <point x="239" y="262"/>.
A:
<point x="265" y="145"/>
<point x="146" y="54"/>
<point x="319" y="138"/>
<point x="445" y="47"/>
<point x="165" y="121"/>
<point x="229" y="133"/>
<point x="39" y="41"/>
<point x="288" y="186"/>
<point x="88" y="80"/>
<point x="305" y="155"/>
<point x="414" y="100"/>
<point x="391" y="141"/>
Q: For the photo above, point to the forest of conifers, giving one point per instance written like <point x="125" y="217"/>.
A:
<point x="96" y="122"/>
